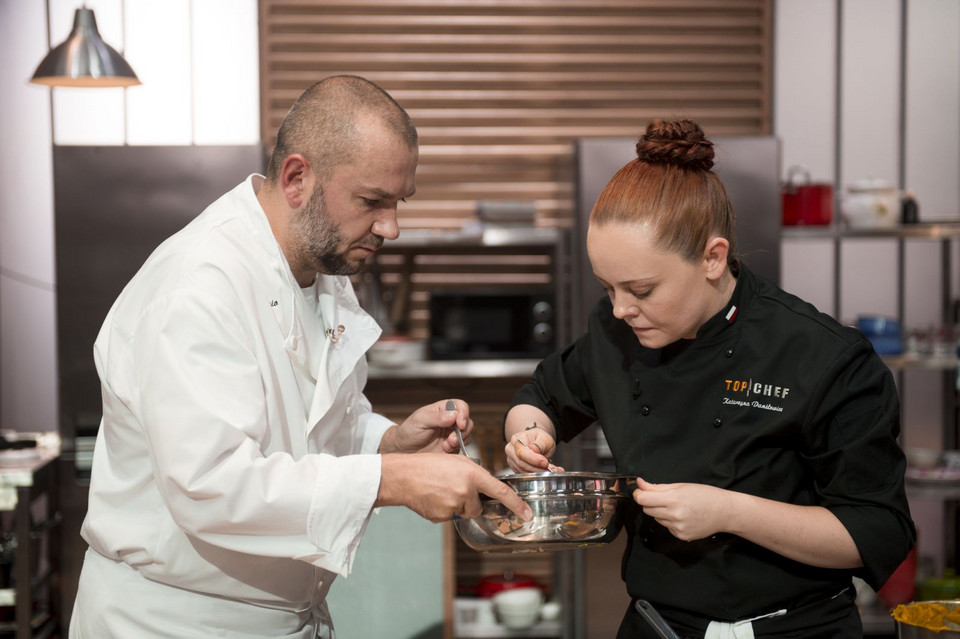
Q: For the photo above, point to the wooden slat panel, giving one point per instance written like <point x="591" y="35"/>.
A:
<point x="499" y="89"/>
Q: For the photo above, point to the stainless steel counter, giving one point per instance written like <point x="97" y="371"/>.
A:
<point x="457" y="369"/>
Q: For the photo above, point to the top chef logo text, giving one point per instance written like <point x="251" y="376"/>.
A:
<point x="750" y="388"/>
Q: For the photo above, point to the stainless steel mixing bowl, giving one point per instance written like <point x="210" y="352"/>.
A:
<point x="570" y="510"/>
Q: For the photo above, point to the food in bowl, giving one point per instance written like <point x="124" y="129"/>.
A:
<point x="570" y="510"/>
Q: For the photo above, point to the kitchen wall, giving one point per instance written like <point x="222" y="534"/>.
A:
<point x="197" y="59"/>
<point x="843" y="110"/>
<point x="842" y="107"/>
<point x="871" y="89"/>
<point x="199" y="66"/>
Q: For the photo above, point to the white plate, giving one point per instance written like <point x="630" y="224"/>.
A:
<point x="933" y="475"/>
<point x="18" y="457"/>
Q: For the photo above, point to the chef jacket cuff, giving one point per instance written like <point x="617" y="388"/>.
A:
<point x="343" y="499"/>
<point x="374" y="426"/>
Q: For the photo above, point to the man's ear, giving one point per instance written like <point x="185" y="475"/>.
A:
<point x="294" y="175"/>
<point x="715" y="257"/>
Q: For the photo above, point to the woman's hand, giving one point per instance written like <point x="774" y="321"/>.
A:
<point x="529" y="451"/>
<point x="688" y="511"/>
<point x="809" y="534"/>
<point x="526" y="424"/>
<point x="430" y="429"/>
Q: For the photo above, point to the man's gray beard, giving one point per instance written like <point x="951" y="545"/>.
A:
<point x="319" y="239"/>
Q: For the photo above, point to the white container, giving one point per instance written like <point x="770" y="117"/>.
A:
<point x="922" y="458"/>
<point x="396" y="352"/>
<point x="871" y="203"/>
<point x="518" y="608"/>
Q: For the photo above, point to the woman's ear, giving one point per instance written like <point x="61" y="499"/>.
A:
<point x="294" y="174"/>
<point x="715" y="257"/>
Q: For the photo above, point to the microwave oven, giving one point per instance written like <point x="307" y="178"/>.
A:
<point x="492" y="324"/>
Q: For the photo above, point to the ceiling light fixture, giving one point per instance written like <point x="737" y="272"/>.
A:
<point x="84" y="59"/>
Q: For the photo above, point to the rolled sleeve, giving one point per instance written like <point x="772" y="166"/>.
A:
<point x="335" y="525"/>
<point x="859" y="466"/>
<point x="373" y="427"/>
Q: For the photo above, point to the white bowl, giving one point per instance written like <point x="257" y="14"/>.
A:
<point x="922" y="458"/>
<point x="519" y="620"/>
<point x="519" y="598"/>
<point x="550" y="611"/>
<point x="518" y="608"/>
<point x="396" y="352"/>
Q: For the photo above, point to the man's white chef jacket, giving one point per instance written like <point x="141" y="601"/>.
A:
<point x="229" y="458"/>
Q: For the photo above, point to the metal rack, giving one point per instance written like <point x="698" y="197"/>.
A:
<point x="878" y="622"/>
<point x="488" y="384"/>
<point x="28" y="490"/>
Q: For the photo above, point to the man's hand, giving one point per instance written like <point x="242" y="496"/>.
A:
<point x="438" y="487"/>
<point x="430" y="429"/>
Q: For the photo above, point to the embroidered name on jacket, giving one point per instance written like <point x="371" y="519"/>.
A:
<point x="756" y="391"/>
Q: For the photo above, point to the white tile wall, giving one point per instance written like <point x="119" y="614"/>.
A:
<point x="804" y="103"/>
<point x="226" y="79"/>
<point x="933" y="105"/>
<point x="870" y="108"/>
<point x="804" y="100"/>
<point x="159" y="48"/>
<point x="199" y="64"/>
<point x="27" y="339"/>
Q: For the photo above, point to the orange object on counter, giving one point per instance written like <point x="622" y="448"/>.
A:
<point x="931" y="615"/>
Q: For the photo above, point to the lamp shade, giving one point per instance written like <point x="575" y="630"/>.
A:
<point x="84" y="59"/>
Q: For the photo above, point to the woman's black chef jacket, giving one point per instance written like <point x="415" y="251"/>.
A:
<point x="772" y="398"/>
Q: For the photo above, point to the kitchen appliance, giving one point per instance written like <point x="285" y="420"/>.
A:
<point x="486" y="323"/>
<point x="570" y="510"/>
<point x="871" y="203"/>
<point x="806" y="203"/>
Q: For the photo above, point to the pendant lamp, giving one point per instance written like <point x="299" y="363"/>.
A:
<point x="84" y="59"/>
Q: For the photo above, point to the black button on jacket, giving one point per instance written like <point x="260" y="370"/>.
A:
<point x="772" y="398"/>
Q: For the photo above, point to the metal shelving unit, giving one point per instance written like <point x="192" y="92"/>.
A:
<point x="877" y="621"/>
<point x="28" y="490"/>
<point x="484" y="381"/>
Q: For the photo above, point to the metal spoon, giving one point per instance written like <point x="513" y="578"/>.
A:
<point x="452" y="405"/>
<point x="550" y="467"/>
